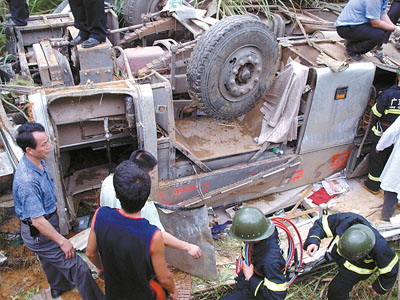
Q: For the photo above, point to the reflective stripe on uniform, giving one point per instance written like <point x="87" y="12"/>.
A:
<point x="390" y="266"/>
<point x="373" y="178"/>
<point x="375" y="111"/>
<point x="368" y="261"/>
<point x="315" y="236"/>
<point x="325" y="226"/>
<point x="348" y="265"/>
<point x="258" y="287"/>
<point x="392" y="111"/>
<point x="381" y="285"/>
<point x="276" y="287"/>
<point x="376" y="131"/>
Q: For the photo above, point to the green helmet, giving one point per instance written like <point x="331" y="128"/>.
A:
<point x="356" y="242"/>
<point x="250" y="224"/>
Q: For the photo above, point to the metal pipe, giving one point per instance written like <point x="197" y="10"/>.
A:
<point x="108" y="136"/>
<point x="130" y="112"/>
<point x="126" y="62"/>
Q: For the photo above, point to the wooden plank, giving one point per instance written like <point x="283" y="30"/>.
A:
<point x="302" y="213"/>
<point x="303" y="193"/>
<point x="54" y="67"/>
<point x="42" y="65"/>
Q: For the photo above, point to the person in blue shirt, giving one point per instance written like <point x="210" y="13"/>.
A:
<point x="35" y="205"/>
<point x="364" y="24"/>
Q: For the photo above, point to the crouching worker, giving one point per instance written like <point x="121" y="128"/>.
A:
<point x="360" y="251"/>
<point x="262" y="276"/>
<point x="127" y="246"/>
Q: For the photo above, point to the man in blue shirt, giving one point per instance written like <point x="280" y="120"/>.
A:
<point x="364" y="24"/>
<point x="35" y="206"/>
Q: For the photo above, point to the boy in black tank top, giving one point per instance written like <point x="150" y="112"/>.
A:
<point x="125" y="247"/>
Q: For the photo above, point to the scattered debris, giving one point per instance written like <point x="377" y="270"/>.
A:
<point x="335" y="186"/>
<point x="3" y="257"/>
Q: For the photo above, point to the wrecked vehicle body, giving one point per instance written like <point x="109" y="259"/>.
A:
<point x="201" y="159"/>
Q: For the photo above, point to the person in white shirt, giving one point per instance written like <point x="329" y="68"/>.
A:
<point x="147" y="162"/>
<point x="390" y="179"/>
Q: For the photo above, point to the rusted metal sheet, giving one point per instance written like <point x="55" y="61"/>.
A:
<point x="225" y="186"/>
<point x="152" y="27"/>
<point x="207" y="138"/>
<point x="99" y="69"/>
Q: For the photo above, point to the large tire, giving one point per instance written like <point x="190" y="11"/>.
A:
<point x="231" y="66"/>
<point x="132" y="10"/>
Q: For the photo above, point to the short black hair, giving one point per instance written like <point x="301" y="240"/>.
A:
<point x="25" y="138"/>
<point x="143" y="159"/>
<point x="132" y="186"/>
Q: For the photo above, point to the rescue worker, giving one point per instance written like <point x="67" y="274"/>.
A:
<point x="364" y="24"/>
<point x="359" y="252"/>
<point x="385" y="112"/>
<point x="263" y="277"/>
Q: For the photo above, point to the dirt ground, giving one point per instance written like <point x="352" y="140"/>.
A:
<point x="21" y="276"/>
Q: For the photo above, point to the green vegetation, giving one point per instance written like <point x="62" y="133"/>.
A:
<point x="35" y="7"/>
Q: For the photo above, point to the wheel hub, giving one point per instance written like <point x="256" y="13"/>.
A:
<point x="241" y="73"/>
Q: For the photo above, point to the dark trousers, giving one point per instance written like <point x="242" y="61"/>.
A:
<point x="19" y="11"/>
<point x="377" y="161"/>
<point x="342" y="284"/>
<point x="389" y="205"/>
<point x="394" y="12"/>
<point x="241" y="292"/>
<point x="90" y="18"/>
<point x="362" y="38"/>
<point x="61" y="272"/>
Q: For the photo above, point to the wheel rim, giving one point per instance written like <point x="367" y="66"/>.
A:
<point x="156" y="6"/>
<point x="241" y="73"/>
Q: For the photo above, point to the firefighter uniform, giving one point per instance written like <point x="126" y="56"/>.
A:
<point x="386" y="109"/>
<point x="381" y="258"/>
<point x="268" y="280"/>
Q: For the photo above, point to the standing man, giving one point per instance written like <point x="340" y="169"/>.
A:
<point x="90" y="19"/>
<point x="360" y="252"/>
<point x="385" y="112"/>
<point x="148" y="163"/>
<point x="262" y="274"/>
<point x="390" y="175"/>
<point x="364" y="24"/>
<point x="125" y="246"/>
<point x="19" y="13"/>
<point x="35" y="206"/>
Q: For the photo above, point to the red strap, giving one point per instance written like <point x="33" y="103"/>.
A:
<point x="158" y="289"/>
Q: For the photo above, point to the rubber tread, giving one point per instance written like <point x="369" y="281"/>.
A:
<point x="204" y="51"/>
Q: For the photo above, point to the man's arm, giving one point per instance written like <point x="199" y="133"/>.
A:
<point x="163" y="275"/>
<point x="92" y="252"/>
<point x="388" y="263"/>
<point x="50" y="232"/>
<point x="173" y="242"/>
<point x="315" y="235"/>
<point x="376" y="23"/>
